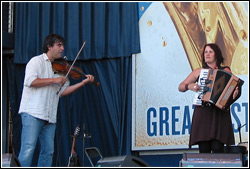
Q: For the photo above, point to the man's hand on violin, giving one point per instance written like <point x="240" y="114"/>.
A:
<point x="89" y="79"/>
<point x="60" y="80"/>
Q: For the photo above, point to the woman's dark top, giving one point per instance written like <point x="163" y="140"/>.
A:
<point x="211" y="123"/>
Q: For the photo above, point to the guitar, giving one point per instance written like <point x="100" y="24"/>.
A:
<point x="73" y="159"/>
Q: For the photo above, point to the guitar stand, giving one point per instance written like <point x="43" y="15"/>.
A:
<point x="85" y="135"/>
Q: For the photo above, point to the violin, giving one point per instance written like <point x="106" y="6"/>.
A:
<point x="62" y="66"/>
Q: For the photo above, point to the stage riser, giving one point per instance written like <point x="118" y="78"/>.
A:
<point x="211" y="160"/>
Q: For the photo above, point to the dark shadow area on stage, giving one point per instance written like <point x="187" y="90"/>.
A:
<point x="166" y="160"/>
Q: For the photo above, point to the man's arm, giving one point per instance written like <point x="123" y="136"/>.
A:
<point x="38" y="82"/>
<point x="73" y="88"/>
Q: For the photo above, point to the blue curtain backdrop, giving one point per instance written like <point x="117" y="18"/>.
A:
<point x="105" y="112"/>
<point x="111" y="29"/>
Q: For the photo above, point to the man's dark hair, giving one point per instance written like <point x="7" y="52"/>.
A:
<point x="50" y="40"/>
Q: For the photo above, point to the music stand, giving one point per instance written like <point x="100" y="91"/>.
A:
<point x="93" y="155"/>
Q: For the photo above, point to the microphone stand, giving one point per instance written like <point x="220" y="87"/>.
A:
<point x="239" y="131"/>
<point x="85" y="135"/>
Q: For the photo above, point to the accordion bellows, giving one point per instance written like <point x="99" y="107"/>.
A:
<point x="219" y="88"/>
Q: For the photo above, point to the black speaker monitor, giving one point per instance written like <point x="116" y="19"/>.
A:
<point x="121" y="161"/>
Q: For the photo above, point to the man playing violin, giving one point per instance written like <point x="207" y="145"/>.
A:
<point x="39" y="102"/>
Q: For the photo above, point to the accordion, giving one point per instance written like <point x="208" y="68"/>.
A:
<point x="219" y="88"/>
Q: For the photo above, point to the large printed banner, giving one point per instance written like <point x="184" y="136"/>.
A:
<point x="173" y="35"/>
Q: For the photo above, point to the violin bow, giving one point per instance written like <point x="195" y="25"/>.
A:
<point x="73" y="63"/>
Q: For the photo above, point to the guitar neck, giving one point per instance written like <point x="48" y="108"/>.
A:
<point x="73" y="146"/>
